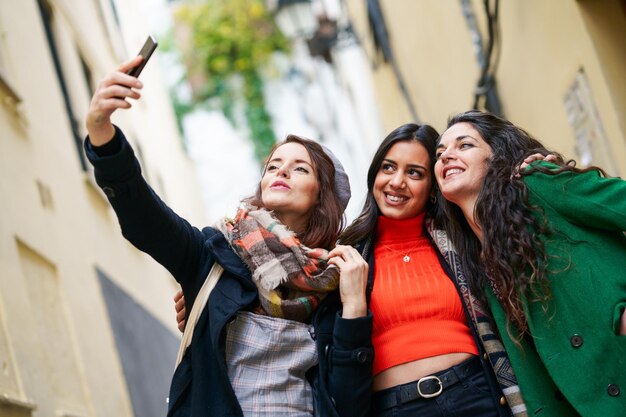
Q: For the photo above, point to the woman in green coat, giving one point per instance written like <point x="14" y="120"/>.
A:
<point x="547" y="248"/>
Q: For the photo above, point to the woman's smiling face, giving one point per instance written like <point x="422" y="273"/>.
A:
<point x="462" y="163"/>
<point x="403" y="183"/>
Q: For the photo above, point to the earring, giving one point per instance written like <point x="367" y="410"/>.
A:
<point x="433" y="198"/>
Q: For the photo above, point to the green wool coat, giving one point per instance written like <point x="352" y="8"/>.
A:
<point x="578" y="363"/>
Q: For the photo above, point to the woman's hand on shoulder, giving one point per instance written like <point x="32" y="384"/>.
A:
<point x="181" y="311"/>
<point x="353" y="280"/>
<point x="109" y="96"/>
<point x="534" y="157"/>
<point x="622" y="329"/>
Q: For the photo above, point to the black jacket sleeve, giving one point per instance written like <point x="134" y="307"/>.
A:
<point x="146" y="221"/>
<point x="350" y="359"/>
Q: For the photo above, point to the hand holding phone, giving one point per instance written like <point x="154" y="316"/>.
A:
<point x="112" y="93"/>
<point x="146" y="52"/>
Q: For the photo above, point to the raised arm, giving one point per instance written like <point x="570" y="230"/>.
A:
<point x="146" y="221"/>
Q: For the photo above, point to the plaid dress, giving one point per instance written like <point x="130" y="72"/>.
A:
<point x="267" y="359"/>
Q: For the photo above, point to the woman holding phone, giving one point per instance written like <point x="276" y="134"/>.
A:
<point x="259" y="347"/>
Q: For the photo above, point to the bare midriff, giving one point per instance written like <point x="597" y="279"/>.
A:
<point x="412" y="371"/>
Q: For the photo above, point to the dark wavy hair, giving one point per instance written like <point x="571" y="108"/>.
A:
<point x="512" y="255"/>
<point x="326" y="219"/>
<point x="364" y="225"/>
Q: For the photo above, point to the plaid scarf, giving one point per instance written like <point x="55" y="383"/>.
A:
<point x="291" y="279"/>
<point x="498" y="358"/>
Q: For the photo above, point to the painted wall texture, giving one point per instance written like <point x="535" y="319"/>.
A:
<point x="559" y="72"/>
<point x="63" y="351"/>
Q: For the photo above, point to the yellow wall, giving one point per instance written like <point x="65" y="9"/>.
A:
<point x="57" y="350"/>
<point x="544" y="45"/>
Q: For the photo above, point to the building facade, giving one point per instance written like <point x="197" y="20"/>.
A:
<point x="86" y="320"/>
<point x="556" y="67"/>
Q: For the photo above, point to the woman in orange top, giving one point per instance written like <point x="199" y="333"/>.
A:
<point x="429" y="356"/>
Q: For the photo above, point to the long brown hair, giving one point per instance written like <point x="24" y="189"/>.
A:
<point x="512" y="256"/>
<point x="326" y="218"/>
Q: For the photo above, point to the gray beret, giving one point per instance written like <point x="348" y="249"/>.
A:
<point x="342" y="183"/>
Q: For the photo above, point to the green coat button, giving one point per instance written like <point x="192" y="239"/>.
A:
<point x="613" y="390"/>
<point x="576" y="340"/>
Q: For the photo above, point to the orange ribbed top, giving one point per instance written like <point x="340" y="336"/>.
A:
<point x="417" y="310"/>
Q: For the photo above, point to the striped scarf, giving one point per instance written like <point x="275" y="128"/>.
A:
<point x="291" y="278"/>
<point x="498" y="358"/>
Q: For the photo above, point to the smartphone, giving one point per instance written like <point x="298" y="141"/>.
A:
<point x="146" y="52"/>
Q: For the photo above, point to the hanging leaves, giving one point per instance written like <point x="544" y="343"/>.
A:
<point x="224" y="39"/>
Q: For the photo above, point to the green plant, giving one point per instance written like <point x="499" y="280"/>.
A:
<point x="227" y="38"/>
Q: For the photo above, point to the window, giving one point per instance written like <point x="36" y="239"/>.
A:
<point x="88" y="76"/>
<point x="8" y="94"/>
<point x="50" y="372"/>
<point x="12" y="401"/>
<point x="47" y="16"/>
<point x="592" y="144"/>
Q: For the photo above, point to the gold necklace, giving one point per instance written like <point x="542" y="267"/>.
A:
<point x="406" y="258"/>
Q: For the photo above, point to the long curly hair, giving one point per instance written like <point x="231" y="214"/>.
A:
<point x="512" y="255"/>
<point x="364" y="226"/>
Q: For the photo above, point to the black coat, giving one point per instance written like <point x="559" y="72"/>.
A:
<point x="200" y="385"/>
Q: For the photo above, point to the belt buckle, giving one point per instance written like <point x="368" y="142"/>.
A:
<point x="427" y="378"/>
